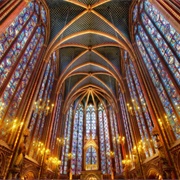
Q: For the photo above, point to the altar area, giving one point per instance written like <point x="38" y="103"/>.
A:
<point x="91" y="175"/>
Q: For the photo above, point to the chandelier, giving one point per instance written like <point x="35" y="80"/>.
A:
<point x="61" y="141"/>
<point x="119" y="139"/>
<point x="43" y="107"/>
<point x="135" y="107"/>
<point x="110" y="154"/>
<point x="127" y="161"/>
<point x="70" y="155"/>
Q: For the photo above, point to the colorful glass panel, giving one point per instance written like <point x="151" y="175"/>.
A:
<point x="90" y="122"/>
<point x="135" y="12"/>
<point x="141" y="98"/>
<point x="76" y="163"/>
<point x="24" y="69"/>
<point x="162" y="47"/>
<point x="139" y="105"/>
<point x="17" y="85"/>
<point x="168" y="84"/>
<point x="173" y="120"/>
<point x="56" y="122"/>
<point x="36" y="129"/>
<point x="91" y="156"/>
<point x="116" y="146"/>
<point x="66" y="147"/>
<point x="7" y="38"/>
<point x="126" y="122"/>
<point x="169" y="33"/>
<point x="43" y="14"/>
<point x="104" y="141"/>
<point x="12" y="56"/>
<point x="37" y="8"/>
<point x="136" y="106"/>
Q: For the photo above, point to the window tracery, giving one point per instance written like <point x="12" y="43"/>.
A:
<point x="158" y="43"/>
<point x="20" y="48"/>
<point x="139" y="105"/>
<point x="86" y="135"/>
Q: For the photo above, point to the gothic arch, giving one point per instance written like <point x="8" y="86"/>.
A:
<point x="91" y="177"/>
<point x="2" y="163"/>
<point x="30" y="171"/>
<point x="29" y="175"/>
<point x="152" y="172"/>
<point x="178" y="162"/>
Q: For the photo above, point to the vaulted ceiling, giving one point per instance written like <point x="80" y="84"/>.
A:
<point x="89" y="36"/>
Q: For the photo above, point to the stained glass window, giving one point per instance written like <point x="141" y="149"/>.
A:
<point x="57" y="111"/>
<point x="165" y="28"/>
<point x="104" y="140"/>
<point x="162" y="47"/>
<point x="67" y="136"/>
<point x="37" y="120"/>
<point x="116" y="145"/>
<point x="90" y="122"/>
<point x="135" y="12"/>
<point x="159" y="45"/>
<point x="55" y="134"/>
<point x="85" y="140"/>
<point x="8" y="38"/>
<point x="43" y="14"/>
<point x="77" y="146"/>
<point x="139" y="105"/>
<point x="126" y="121"/>
<point x="20" y="49"/>
<point x="91" y="158"/>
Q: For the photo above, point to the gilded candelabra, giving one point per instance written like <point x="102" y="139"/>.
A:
<point x="43" y="106"/>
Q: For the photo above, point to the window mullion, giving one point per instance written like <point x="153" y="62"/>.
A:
<point x="47" y="89"/>
<point x="159" y="77"/>
<point x="162" y="35"/>
<point x="13" y="68"/>
<point x="77" y="147"/>
<point x="15" y="39"/>
<point x="140" y="111"/>
<point x="18" y="84"/>
<point x="132" y="95"/>
<point x="161" y="58"/>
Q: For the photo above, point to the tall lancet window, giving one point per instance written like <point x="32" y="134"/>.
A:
<point x="116" y="146"/>
<point x="104" y="140"/>
<point x="77" y="143"/>
<point x="55" y="133"/>
<point x="159" y="46"/>
<point x="91" y="158"/>
<point x="91" y="152"/>
<point x="37" y="120"/>
<point x="20" y="52"/>
<point x="92" y="131"/>
<point x="126" y="119"/>
<point x="144" y="121"/>
<point x="90" y="122"/>
<point x="67" y="135"/>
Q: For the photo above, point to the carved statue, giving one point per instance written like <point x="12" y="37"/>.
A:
<point x="126" y="169"/>
<point x="22" y="150"/>
<point x="164" y="164"/>
<point x="45" y="163"/>
<point x="137" y="165"/>
<point x="15" y="171"/>
<point x="45" y="167"/>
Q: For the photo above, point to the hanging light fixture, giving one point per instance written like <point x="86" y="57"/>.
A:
<point x="110" y="154"/>
<point x="70" y="155"/>
<point x="61" y="141"/>
<point x="127" y="161"/>
<point x="119" y="139"/>
<point x="41" y="106"/>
